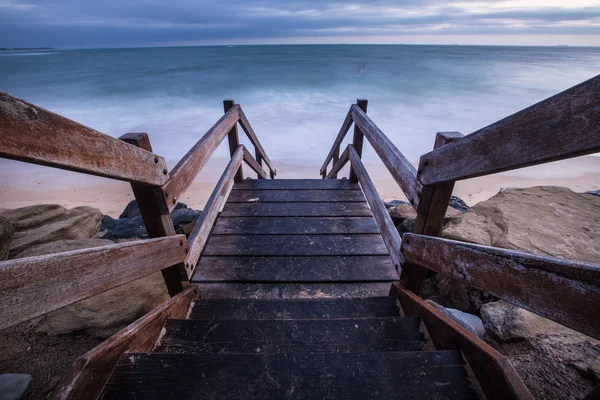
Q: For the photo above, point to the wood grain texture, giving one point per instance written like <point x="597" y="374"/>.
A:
<point x="87" y="376"/>
<point x="233" y="140"/>
<point x="496" y="375"/>
<point x="256" y="143"/>
<point x="294" y="226"/>
<point x="296" y="210"/>
<point x="338" y="164"/>
<point x="295" y="245"/>
<point x="205" y="222"/>
<point x="252" y="163"/>
<point x="295" y="196"/>
<point x="188" y="167"/>
<point x="296" y="269"/>
<point x="157" y="221"/>
<point x="386" y="226"/>
<point x="32" y="134"/>
<point x="401" y="169"/>
<point x="562" y="126"/>
<point x="296" y="184"/>
<point x="358" y="138"/>
<point x="34" y="286"/>
<point x="565" y="291"/>
<point x="337" y="143"/>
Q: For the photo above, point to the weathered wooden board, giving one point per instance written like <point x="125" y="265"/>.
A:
<point x="565" y="291"/>
<point x="339" y="209"/>
<point x="188" y="167"/>
<point x="294" y="245"/>
<point x="337" y="142"/>
<point x="295" y="196"/>
<point x="294" y="226"/>
<point x="389" y="233"/>
<point x="296" y="184"/>
<point x="32" y="134"/>
<point x="233" y="140"/>
<point x="358" y="138"/>
<point x="34" y="286"/>
<point x="401" y="169"/>
<point x="496" y="375"/>
<point x="338" y="164"/>
<point x="252" y="163"/>
<point x="295" y="269"/>
<point x="87" y="376"/>
<point x="256" y="143"/>
<point x="291" y="336"/>
<point x="389" y="375"/>
<point x="201" y="231"/>
<point x="562" y="126"/>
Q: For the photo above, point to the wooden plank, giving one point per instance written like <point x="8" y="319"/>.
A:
<point x="233" y="139"/>
<point x="188" y="167"/>
<point x="304" y="290"/>
<point x="252" y="163"/>
<point x="295" y="196"/>
<point x="296" y="210"/>
<point x="158" y="223"/>
<point x="338" y="164"/>
<point x="291" y="336"/>
<point x="295" y="245"/>
<point x="401" y="169"/>
<point x="431" y="211"/>
<point x="523" y="279"/>
<point x="294" y="226"/>
<point x="34" y="286"/>
<point x="296" y="184"/>
<point x="375" y="376"/>
<point x="201" y="231"/>
<point x="495" y="374"/>
<point x="32" y="134"/>
<point x="245" y="124"/>
<point x="295" y="269"/>
<point x="337" y="143"/>
<point x="358" y="138"/>
<point x="562" y="126"/>
<point x="386" y="226"/>
<point x="89" y="373"/>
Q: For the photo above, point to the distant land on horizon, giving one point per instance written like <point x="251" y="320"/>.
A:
<point x="26" y="48"/>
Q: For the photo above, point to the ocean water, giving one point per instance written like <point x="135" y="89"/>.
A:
<point x="296" y="97"/>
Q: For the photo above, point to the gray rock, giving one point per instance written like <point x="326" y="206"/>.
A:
<point x="453" y="294"/>
<point x="132" y="210"/>
<point x="458" y="204"/>
<point x="6" y="237"/>
<point x="13" y="386"/>
<point x="470" y="322"/>
<point x="402" y="212"/>
<point x="594" y="192"/>
<point x="394" y="203"/>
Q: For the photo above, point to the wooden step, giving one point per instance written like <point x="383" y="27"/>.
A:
<point x="230" y="309"/>
<point x="295" y="269"/>
<point x="239" y="290"/>
<point x="322" y="209"/>
<point x="296" y="184"/>
<point x="294" y="225"/>
<point x="295" y="196"/>
<point x="400" y="375"/>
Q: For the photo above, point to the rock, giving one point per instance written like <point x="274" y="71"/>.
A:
<point x="470" y="322"/>
<point x="6" y="237"/>
<point x="51" y="384"/>
<point x="394" y="203"/>
<point x="188" y="228"/>
<point x="132" y="210"/>
<point x="106" y="313"/>
<point x="13" y="386"/>
<point x="458" y="204"/>
<point x="594" y="192"/>
<point x="50" y="225"/>
<point x="408" y="225"/>
<point x="402" y="212"/>
<point x="453" y="294"/>
<point x="544" y="220"/>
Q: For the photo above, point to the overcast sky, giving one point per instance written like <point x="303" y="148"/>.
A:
<point x="124" y="23"/>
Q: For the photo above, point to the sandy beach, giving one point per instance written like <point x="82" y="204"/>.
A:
<point x="25" y="184"/>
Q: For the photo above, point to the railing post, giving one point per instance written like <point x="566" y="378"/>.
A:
<point x="336" y="157"/>
<point x="357" y="140"/>
<point x="259" y="159"/>
<point x="431" y="210"/>
<point x="158" y="223"/>
<point x="234" y="140"/>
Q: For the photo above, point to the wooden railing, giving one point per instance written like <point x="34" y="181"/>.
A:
<point x="563" y="126"/>
<point x="33" y="286"/>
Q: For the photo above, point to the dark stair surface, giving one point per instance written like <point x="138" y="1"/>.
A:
<point x="294" y="283"/>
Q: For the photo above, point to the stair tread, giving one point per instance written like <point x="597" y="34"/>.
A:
<point x="291" y="336"/>
<point x="242" y="309"/>
<point x="414" y="375"/>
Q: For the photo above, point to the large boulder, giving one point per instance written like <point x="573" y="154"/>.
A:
<point x="36" y="225"/>
<point x="406" y="211"/>
<point x="6" y="237"/>
<point x="453" y="294"/>
<point x="544" y="220"/>
<point x="106" y="313"/>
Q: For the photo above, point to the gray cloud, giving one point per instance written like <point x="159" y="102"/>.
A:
<point x="77" y="23"/>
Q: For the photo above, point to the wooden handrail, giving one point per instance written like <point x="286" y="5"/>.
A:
<point x="252" y="163"/>
<point x="34" y="286"/>
<point x="565" y="291"/>
<point x="401" y="169"/>
<point x="339" y="164"/>
<point x="245" y="124"/>
<point x="562" y="126"/>
<point x="388" y="231"/>
<point x="335" y="149"/>
<point x="498" y="378"/>
<point x="32" y="134"/>
<point x="203" y="226"/>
